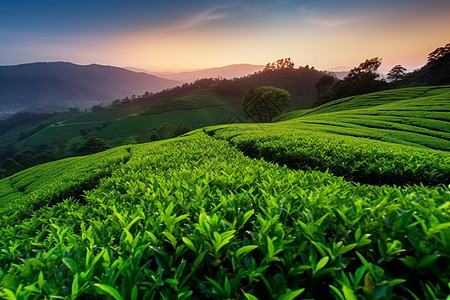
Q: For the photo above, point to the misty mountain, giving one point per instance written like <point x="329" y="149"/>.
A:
<point x="227" y="72"/>
<point x="60" y="85"/>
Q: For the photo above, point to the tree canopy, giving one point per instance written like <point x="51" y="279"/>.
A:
<point x="262" y="104"/>
<point x="360" y="80"/>
<point x="439" y="54"/>
<point x="284" y="63"/>
<point x="396" y="74"/>
<point x="92" y="145"/>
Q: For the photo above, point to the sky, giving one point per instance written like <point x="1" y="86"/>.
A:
<point x="181" y="35"/>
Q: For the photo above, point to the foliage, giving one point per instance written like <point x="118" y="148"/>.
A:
<point x="360" y="80"/>
<point x="323" y="87"/>
<point x="196" y="217"/>
<point x="396" y="74"/>
<point x="92" y="145"/>
<point x="439" y="54"/>
<point x="262" y="104"/>
<point x="181" y="220"/>
<point x="10" y="166"/>
<point x="435" y="72"/>
<point x="284" y="63"/>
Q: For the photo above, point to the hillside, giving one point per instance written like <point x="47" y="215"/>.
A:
<point x="60" y="85"/>
<point x="151" y="116"/>
<point x="201" y="216"/>
<point x="62" y="134"/>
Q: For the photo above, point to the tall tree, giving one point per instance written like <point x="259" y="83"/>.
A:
<point x="439" y="60"/>
<point x="323" y="87"/>
<point x="360" y="80"/>
<point x="439" y="53"/>
<point x="396" y="74"/>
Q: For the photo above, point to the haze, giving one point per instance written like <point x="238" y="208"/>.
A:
<point x="182" y="35"/>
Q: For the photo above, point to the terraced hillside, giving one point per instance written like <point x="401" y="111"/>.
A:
<point x="115" y="126"/>
<point x="202" y="217"/>
<point x="194" y="111"/>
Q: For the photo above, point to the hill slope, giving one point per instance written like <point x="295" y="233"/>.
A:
<point x="198" y="217"/>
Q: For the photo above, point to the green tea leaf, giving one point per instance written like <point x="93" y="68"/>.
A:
<point x="189" y="243"/>
<point x="348" y="293"/>
<point x="289" y="295"/>
<point x="71" y="264"/>
<point x="75" y="287"/>
<point x="109" y="290"/>
<point x="321" y="263"/>
<point x="245" y="250"/>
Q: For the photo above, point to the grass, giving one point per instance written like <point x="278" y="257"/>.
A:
<point x="242" y="211"/>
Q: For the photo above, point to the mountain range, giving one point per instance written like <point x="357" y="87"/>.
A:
<point x="50" y="86"/>
<point x="56" y="86"/>
<point x="227" y="72"/>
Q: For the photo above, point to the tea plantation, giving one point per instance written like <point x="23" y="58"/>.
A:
<point x="349" y="203"/>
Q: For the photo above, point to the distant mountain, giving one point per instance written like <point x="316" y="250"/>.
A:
<point x="227" y="72"/>
<point x="340" y="69"/>
<point x="340" y="74"/>
<point x="60" y="85"/>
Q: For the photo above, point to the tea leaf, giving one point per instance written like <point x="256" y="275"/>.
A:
<point x="110" y="290"/>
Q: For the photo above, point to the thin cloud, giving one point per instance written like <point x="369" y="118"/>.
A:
<point x="327" y="20"/>
<point x="201" y="18"/>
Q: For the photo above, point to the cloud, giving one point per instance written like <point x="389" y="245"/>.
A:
<point x="330" y="20"/>
<point x="201" y="18"/>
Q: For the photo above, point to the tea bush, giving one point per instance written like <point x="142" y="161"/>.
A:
<point x="181" y="220"/>
<point x="206" y="216"/>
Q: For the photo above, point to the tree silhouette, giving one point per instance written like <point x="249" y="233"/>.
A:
<point x="439" y="53"/>
<point x="284" y="63"/>
<point x="396" y="74"/>
<point x="439" y="60"/>
<point x="262" y="104"/>
<point x="360" y="80"/>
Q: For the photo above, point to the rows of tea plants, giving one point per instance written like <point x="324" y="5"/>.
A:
<point x="358" y="159"/>
<point x="422" y="121"/>
<point x="372" y="100"/>
<point x="179" y="220"/>
<point x="22" y="192"/>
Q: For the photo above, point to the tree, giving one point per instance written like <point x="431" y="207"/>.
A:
<point x="323" y="87"/>
<point x="10" y="166"/>
<point x="360" y="80"/>
<point x="262" y="104"/>
<point x="438" y="61"/>
<point x="284" y="63"/>
<point x="439" y="54"/>
<point x="396" y="74"/>
<point x="92" y="145"/>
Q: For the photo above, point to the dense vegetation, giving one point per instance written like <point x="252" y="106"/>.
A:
<point x="196" y="217"/>
<point x="158" y="116"/>
<point x="364" y="79"/>
<point x="263" y="104"/>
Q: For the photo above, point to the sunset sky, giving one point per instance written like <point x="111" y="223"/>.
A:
<point x="194" y="34"/>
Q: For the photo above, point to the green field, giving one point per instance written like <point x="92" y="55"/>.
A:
<point x="351" y="202"/>
<point x="116" y="125"/>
